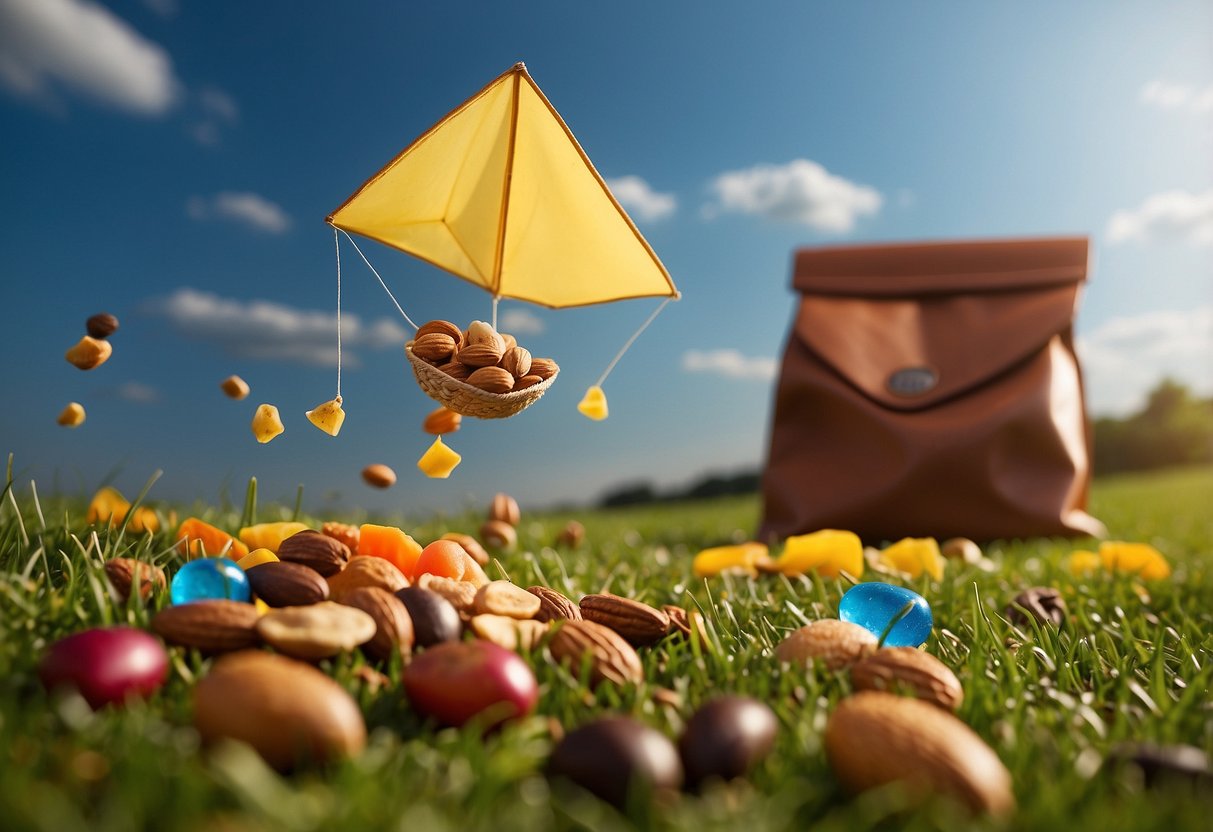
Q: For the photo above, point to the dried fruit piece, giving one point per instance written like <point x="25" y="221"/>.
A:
<point x="256" y="558"/>
<point x="216" y="626"/>
<point x="609" y="656"/>
<point x="828" y="552"/>
<point x="891" y="668"/>
<point x="460" y="594"/>
<point x="391" y="544"/>
<point x="327" y="416"/>
<point x="742" y="558"/>
<point x="915" y="555"/>
<point x="439" y="461"/>
<point x="379" y="475"/>
<point x="505" y="508"/>
<point x="553" y="606"/>
<point x="442" y="421"/>
<point x="72" y="416"/>
<point x="593" y="405"/>
<point x="639" y="623"/>
<point x="835" y="643"/>
<point x="89" y="352"/>
<point x="505" y="598"/>
<point x="269" y="535"/>
<point x="1140" y="558"/>
<point x="314" y="550"/>
<point x="1082" y="563"/>
<point x="393" y="626"/>
<point x="125" y="573"/>
<point x="507" y="632"/>
<point x="874" y="739"/>
<point x="102" y="325"/>
<point x="317" y="631"/>
<point x="267" y="423"/>
<point x="197" y="538"/>
<point x="366" y="571"/>
<point x="498" y="535"/>
<point x="344" y="532"/>
<point x="234" y="387"/>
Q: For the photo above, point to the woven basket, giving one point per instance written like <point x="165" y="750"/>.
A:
<point x="463" y="398"/>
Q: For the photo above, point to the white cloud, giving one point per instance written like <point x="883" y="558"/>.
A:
<point x="1168" y="215"/>
<point x="728" y="363"/>
<point x="79" y="45"/>
<point x="1124" y="358"/>
<point x="272" y="331"/>
<point x="1168" y="96"/>
<point x="164" y="8"/>
<point x="801" y="191"/>
<point x="218" y="109"/>
<point x="520" y="322"/>
<point x="635" y="195"/>
<point x="133" y="391"/>
<point x="249" y="209"/>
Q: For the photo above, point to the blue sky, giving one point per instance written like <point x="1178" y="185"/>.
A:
<point x="172" y="162"/>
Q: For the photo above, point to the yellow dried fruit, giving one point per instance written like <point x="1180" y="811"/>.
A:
<point x="89" y="352"/>
<point x="439" y="461"/>
<point x="269" y="535"/>
<point x="743" y="558"/>
<point x="256" y="558"/>
<point x="828" y="552"/>
<point x="234" y="387"/>
<point x="915" y="555"/>
<point x="328" y="416"/>
<point x="1082" y="562"/>
<point x="72" y="415"/>
<point x="267" y="423"/>
<point x="593" y="405"/>
<point x="1140" y="558"/>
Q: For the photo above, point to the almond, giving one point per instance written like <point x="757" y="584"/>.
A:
<point x="553" y="606"/>
<point x="527" y="381"/>
<point x="571" y="535"/>
<point x="442" y="421"/>
<point x="639" y="623"/>
<point x="507" y="632"/>
<point x="393" y="626"/>
<point x="455" y="370"/>
<point x="498" y="535"/>
<point x="517" y="361"/>
<point x="835" y="643"/>
<point x="875" y="738"/>
<point x="492" y="380"/>
<point x="479" y="355"/>
<point x="479" y="332"/>
<point x="316" y="550"/>
<point x="508" y="342"/>
<point x="610" y="658"/>
<point x="470" y="545"/>
<point x="286" y="584"/>
<point x="317" y="631"/>
<point x="366" y="571"/>
<point x="125" y="573"/>
<point x="344" y="532"/>
<point x="460" y="594"/>
<point x="217" y="626"/>
<point x="504" y="598"/>
<point x="441" y="328"/>
<point x="379" y="475"/>
<point x="434" y="347"/>
<point x="924" y="675"/>
<point x="545" y="368"/>
<point x="505" y="508"/>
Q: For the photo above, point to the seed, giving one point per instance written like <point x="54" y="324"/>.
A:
<point x="379" y="476"/>
<point x="101" y="325"/>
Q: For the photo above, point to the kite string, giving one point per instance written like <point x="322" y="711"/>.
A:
<point x="495" y="299"/>
<point x="337" y="244"/>
<point x="631" y="341"/>
<point x="381" y="283"/>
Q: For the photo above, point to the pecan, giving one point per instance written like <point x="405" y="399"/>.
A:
<point x="553" y="606"/>
<point x="610" y="657"/>
<point x="639" y="623"/>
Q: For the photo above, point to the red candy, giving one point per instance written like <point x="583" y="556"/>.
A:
<point x="107" y="665"/>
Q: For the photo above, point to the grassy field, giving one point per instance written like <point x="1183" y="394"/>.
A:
<point x="1132" y="663"/>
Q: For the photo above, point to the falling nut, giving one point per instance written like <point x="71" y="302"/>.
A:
<point x="234" y="387"/>
<point x="498" y="535"/>
<point x="379" y="475"/>
<point x="89" y="352"/>
<point x="72" y="416"/>
<point x="442" y="421"/>
<point x="505" y="508"/>
<point x="571" y="535"/>
<point x="102" y="325"/>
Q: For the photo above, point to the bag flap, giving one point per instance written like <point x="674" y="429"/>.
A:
<point x="916" y="269"/>
<point x="911" y="354"/>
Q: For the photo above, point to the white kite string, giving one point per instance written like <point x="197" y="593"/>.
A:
<point x="631" y="341"/>
<point x="381" y="283"/>
<point x="337" y="244"/>
<point x="495" y="299"/>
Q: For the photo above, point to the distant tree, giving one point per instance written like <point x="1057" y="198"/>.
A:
<point x="1173" y="428"/>
<point x="630" y="495"/>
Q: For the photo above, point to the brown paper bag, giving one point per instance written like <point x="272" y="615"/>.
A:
<point x="931" y="389"/>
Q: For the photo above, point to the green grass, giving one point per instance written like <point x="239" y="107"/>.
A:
<point x="1051" y="703"/>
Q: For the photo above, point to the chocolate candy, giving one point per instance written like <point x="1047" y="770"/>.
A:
<point x="615" y="756"/>
<point x="725" y="737"/>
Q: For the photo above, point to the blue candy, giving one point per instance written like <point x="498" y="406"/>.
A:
<point x="873" y="605"/>
<point x="207" y="578"/>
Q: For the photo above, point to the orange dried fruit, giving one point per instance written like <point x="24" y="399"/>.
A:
<point x="391" y="544"/>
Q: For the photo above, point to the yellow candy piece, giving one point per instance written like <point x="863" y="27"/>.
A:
<point x="829" y="552"/>
<point x="72" y="415"/>
<point x="269" y="535"/>
<point x="742" y="558"/>
<point x="107" y="504"/>
<point x="594" y="404"/>
<point x="262" y="607"/>
<point x="915" y="555"/>
<point x="1141" y="558"/>
<point x="439" y="461"/>
<point x="1082" y="562"/>
<point x="267" y="423"/>
<point x="256" y="558"/>
<point x="328" y="416"/>
<point x="144" y="520"/>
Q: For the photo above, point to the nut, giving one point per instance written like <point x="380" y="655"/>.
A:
<point x="379" y="475"/>
<point x="545" y="368"/>
<point x="441" y="328"/>
<point x="343" y="532"/>
<point x="1043" y="603"/>
<point x="460" y="594"/>
<point x="527" y="381"/>
<point x="609" y="657"/>
<point x="434" y="619"/>
<point x="435" y="347"/>
<point x="553" y="606"/>
<point x="492" y="380"/>
<point x="217" y="626"/>
<point x="314" y="549"/>
<point x="505" y="508"/>
<point x="470" y="545"/>
<point x="71" y="416"/>
<point x="873" y="739"/>
<point x="481" y="333"/>
<point x="689" y="625"/>
<point x="102" y="325"/>
<point x="123" y="573"/>
<point x="479" y="355"/>
<point x="507" y="632"/>
<point x="571" y="535"/>
<point x="961" y="548"/>
<point x="442" y="421"/>
<point x="924" y="675"/>
<point x="287" y="584"/>
<point x="455" y="370"/>
<point x="505" y="598"/>
<point x="234" y="387"/>
<point x="498" y="535"/>
<point x="517" y="361"/>
<point x="639" y="623"/>
<point x="508" y="342"/>
<point x="317" y="631"/>
<point x="833" y="642"/>
<point x="393" y="626"/>
<point x="89" y="352"/>
<point x="365" y="571"/>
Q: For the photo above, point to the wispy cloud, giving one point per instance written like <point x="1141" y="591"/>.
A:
<point x="640" y="199"/>
<point x="1171" y="215"/>
<point x="1184" y="97"/>
<point x="1124" y="358"/>
<point x="246" y="208"/>
<point x="729" y="363"/>
<point x="164" y="8"/>
<point x="520" y="322"/>
<point x="83" y="47"/>
<point x="134" y="391"/>
<point x="218" y="110"/>
<point x="802" y="191"/>
<point x="272" y="331"/>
